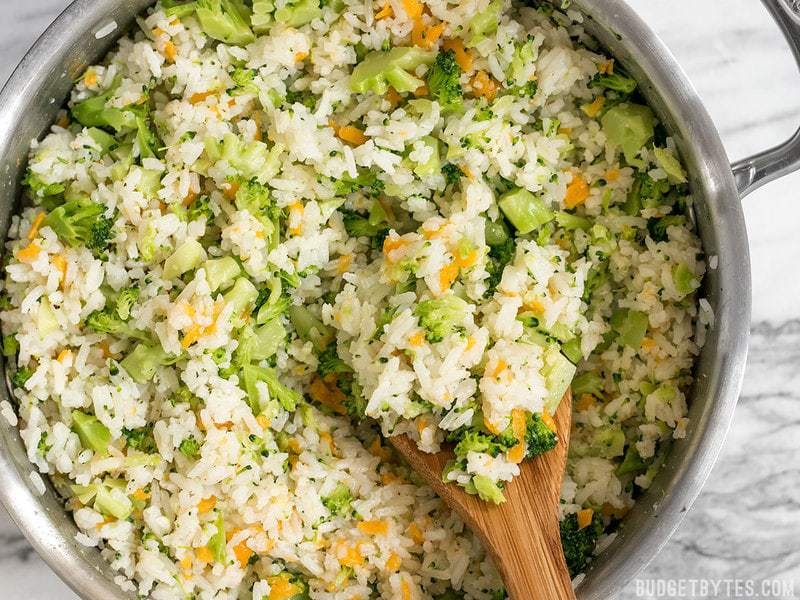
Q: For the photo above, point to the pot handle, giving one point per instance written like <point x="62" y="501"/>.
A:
<point x="753" y="172"/>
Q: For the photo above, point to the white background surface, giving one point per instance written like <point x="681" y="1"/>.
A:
<point x="746" y="524"/>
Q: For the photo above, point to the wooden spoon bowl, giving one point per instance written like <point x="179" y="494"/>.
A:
<point x="521" y="535"/>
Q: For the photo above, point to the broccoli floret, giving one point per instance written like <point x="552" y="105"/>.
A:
<point x="354" y="402"/>
<point x="450" y="594"/>
<point x="20" y="376"/>
<point x="441" y="316"/>
<point x="141" y="439"/>
<point x="200" y="209"/>
<point x="366" y="180"/>
<point x="499" y="256"/>
<point x="539" y="438"/>
<point x="339" y="500"/>
<point x="243" y="79"/>
<point x="305" y="97"/>
<point x="81" y="222"/>
<point x="475" y="441"/>
<point x="452" y="174"/>
<point x="358" y="227"/>
<point x="255" y="199"/>
<point x="618" y="81"/>
<point x="125" y="301"/>
<point x="329" y="362"/>
<point x="443" y="80"/>
<point x="657" y="228"/>
<point x="108" y="321"/>
<point x="190" y="447"/>
<point x="529" y="89"/>
<point x="579" y="544"/>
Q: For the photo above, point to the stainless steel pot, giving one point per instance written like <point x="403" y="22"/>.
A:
<point x="41" y="83"/>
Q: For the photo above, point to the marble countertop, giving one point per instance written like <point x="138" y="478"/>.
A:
<point x="746" y="523"/>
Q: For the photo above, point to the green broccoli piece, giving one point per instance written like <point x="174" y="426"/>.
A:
<point x="579" y="544"/>
<point x="255" y="199"/>
<point x="226" y="20"/>
<point x="360" y="227"/>
<point x="92" y="433"/>
<point x="452" y="174"/>
<point x="190" y="447"/>
<point x="441" y="316"/>
<point x="143" y="362"/>
<point x="297" y="13"/>
<point x="286" y="397"/>
<point x="21" y="376"/>
<point x="125" y="301"/>
<point x="10" y="345"/>
<point x="443" y="80"/>
<point x="379" y="70"/>
<point x="475" y="441"/>
<point x="619" y="81"/>
<point x="243" y="80"/>
<point x="450" y="594"/>
<point x="499" y="256"/>
<point x="200" y="209"/>
<point x="486" y="489"/>
<point x="92" y="112"/>
<point x="39" y="190"/>
<point x="217" y="542"/>
<point x="261" y="18"/>
<point x="81" y="222"/>
<point x="366" y="180"/>
<point x="629" y="127"/>
<point x="657" y="228"/>
<point x="329" y="362"/>
<point x="354" y="403"/>
<point x="141" y="439"/>
<point x="339" y="500"/>
<point x="539" y="438"/>
<point x="108" y="321"/>
<point x="304" y="97"/>
<point x="590" y="382"/>
<point x="310" y="328"/>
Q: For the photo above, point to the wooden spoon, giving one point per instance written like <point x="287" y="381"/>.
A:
<point x="522" y="534"/>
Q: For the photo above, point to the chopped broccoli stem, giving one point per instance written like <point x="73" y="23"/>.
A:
<point x="112" y="501"/>
<point x="631" y="463"/>
<point x="217" y="542"/>
<point x="684" y="279"/>
<point x="286" y="397"/>
<point x="485" y="22"/>
<point x="187" y="256"/>
<point x="92" y="433"/>
<point x="444" y="80"/>
<point x="299" y="12"/>
<point x="441" y="316"/>
<point x="629" y="127"/>
<point x="242" y="296"/>
<point x="310" y="328"/>
<point x="525" y="211"/>
<point x="487" y="490"/>
<point x="221" y="272"/>
<point x="226" y="20"/>
<point x="143" y="362"/>
<point x="10" y="345"/>
<point x="267" y="339"/>
<point x="379" y="70"/>
<point x="630" y="325"/>
<point x="588" y="383"/>
<point x="109" y="321"/>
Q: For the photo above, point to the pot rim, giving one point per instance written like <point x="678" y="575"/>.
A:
<point x="656" y="514"/>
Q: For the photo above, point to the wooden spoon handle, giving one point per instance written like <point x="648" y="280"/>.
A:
<point x="529" y="559"/>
